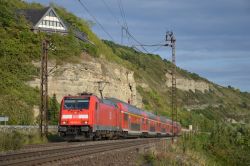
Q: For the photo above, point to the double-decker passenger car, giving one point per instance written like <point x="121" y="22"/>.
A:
<point x="87" y="116"/>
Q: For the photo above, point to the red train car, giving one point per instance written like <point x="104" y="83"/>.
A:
<point x="87" y="116"/>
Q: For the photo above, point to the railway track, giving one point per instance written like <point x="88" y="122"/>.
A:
<point x="57" y="154"/>
<point x="48" y="145"/>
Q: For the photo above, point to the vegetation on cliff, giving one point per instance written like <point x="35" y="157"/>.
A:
<point x="19" y="46"/>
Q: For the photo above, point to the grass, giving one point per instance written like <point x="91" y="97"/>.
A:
<point x="224" y="145"/>
<point x="173" y="154"/>
<point x="13" y="140"/>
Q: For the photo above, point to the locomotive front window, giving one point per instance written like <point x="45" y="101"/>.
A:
<point x="76" y="104"/>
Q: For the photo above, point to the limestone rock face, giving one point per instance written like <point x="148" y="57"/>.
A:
<point x="83" y="77"/>
<point x="187" y="84"/>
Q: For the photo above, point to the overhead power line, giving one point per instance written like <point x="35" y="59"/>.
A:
<point x="124" y="25"/>
<point x="160" y="45"/>
<point x="138" y="42"/>
<point x="85" y="7"/>
<point x="158" y="48"/>
<point x="115" y="17"/>
<point x="151" y="45"/>
<point x="111" y="12"/>
<point x="122" y="14"/>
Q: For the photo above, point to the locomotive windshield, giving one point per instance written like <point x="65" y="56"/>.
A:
<point x="76" y="103"/>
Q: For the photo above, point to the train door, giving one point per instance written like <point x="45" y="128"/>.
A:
<point x="118" y="122"/>
<point x="129" y="122"/>
<point x="147" y="124"/>
<point x="117" y="119"/>
<point x="125" y="120"/>
<point x="143" y="122"/>
<point x="120" y="118"/>
<point x="95" y="117"/>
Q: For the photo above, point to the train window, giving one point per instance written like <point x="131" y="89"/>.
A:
<point x="76" y="103"/>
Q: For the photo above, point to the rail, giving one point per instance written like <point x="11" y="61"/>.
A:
<point x="59" y="154"/>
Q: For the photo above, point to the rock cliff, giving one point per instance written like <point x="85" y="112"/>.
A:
<point x="73" y="78"/>
<point x="187" y="84"/>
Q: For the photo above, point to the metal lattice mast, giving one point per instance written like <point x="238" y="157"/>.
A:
<point x="44" y="90"/>
<point x="174" y="98"/>
<point x="170" y="39"/>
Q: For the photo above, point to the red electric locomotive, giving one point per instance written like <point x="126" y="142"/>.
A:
<point x="87" y="116"/>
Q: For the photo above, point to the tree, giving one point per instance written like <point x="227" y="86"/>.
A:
<point x="53" y="110"/>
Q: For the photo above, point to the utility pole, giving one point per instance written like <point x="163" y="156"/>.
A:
<point x="44" y="90"/>
<point x="131" y="100"/>
<point x="170" y="39"/>
<point x="101" y="86"/>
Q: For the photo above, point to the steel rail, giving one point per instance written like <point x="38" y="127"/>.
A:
<point x="44" y="156"/>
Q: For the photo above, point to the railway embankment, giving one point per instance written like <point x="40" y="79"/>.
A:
<point x="112" y="152"/>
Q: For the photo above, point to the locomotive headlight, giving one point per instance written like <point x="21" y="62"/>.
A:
<point x="86" y="122"/>
<point x="64" y="122"/>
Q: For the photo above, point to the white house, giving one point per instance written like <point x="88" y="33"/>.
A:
<point x="47" y="20"/>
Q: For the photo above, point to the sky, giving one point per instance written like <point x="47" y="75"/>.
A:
<point x="212" y="36"/>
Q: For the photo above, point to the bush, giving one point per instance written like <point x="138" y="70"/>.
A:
<point x="53" y="111"/>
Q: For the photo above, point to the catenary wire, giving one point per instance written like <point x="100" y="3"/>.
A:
<point x="85" y="7"/>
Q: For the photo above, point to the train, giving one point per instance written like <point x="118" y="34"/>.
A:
<point x="86" y="116"/>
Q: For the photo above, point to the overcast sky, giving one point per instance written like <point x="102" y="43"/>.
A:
<point x="213" y="36"/>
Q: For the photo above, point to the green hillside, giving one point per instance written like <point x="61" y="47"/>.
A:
<point x="221" y="102"/>
<point x="19" y="46"/>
